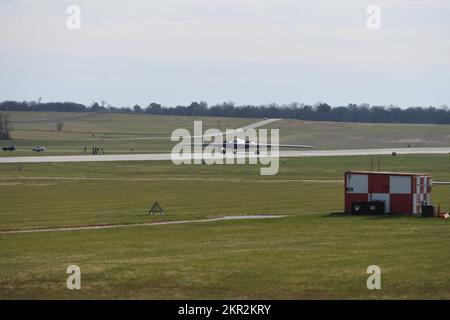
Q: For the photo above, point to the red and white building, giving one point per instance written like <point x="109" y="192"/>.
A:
<point x="401" y="192"/>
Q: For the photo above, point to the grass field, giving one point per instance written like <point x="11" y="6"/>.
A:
<point x="129" y="133"/>
<point x="115" y="133"/>
<point x="312" y="253"/>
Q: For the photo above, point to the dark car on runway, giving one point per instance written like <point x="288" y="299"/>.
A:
<point x="9" y="148"/>
<point x="38" y="149"/>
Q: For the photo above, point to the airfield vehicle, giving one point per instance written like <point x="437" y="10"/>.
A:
<point x="38" y="149"/>
<point x="9" y="148"/>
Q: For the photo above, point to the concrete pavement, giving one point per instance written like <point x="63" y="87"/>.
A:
<point x="167" y="156"/>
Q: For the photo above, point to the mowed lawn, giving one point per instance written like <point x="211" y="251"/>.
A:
<point x="311" y="256"/>
<point x="313" y="253"/>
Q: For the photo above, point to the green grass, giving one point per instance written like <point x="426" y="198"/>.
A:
<point x="67" y="194"/>
<point x="291" y="168"/>
<point x="341" y="135"/>
<point x="310" y="254"/>
<point x="300" y="257"/>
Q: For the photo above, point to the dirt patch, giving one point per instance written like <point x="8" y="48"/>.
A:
<point x="112" y="226"/>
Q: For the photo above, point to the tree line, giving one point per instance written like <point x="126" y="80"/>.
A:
<point x="318" y="112"/>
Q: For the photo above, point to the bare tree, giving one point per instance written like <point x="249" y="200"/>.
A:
<point x="5" y="128"/>
<point x="59" y="126"/>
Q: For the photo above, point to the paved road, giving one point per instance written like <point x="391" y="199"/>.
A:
<point x="167" y="156"/>
<point x="113" y="226"/>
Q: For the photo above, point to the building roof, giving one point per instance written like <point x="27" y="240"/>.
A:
<point x="389" y="173"/>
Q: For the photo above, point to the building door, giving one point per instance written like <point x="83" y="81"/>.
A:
<point x="384" y="197"/>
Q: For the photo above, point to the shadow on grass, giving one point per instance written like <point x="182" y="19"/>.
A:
<point x="367" y="216"/>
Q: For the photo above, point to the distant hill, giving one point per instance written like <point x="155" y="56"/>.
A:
<point x="147" y="133"/>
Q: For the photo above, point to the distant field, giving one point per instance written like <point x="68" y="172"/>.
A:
<point x="313" y="253"/>
<point x="115" y="133"/>
<point x="335" y="135"/>
<point x="130" y="133"/>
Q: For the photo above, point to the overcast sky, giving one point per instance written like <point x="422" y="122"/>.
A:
<point x="246" y="51"/>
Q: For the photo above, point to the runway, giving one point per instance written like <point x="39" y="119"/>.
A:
<point x="167" y="156"/>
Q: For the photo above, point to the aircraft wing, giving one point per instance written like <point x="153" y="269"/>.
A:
<point x="293" y="146"/>
<point x="268" y="145"/>
<point x="253" y="145"/>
